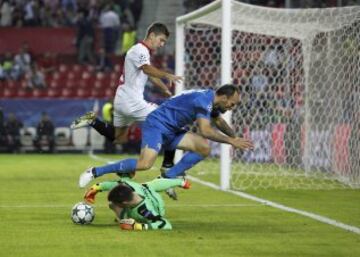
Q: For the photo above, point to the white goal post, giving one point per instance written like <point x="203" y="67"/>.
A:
<point x="298" y="71"/>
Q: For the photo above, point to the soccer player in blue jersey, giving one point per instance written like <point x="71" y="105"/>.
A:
<point x="164" y="127"/>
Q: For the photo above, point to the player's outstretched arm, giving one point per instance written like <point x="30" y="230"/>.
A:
<point x="90" y="194"/>
<point x="159" y="84"/>
<point x="162" y="184"/>
<point x="157" y="73"/>
<point x="208" y="132"/>
<point x="222" y="125"/>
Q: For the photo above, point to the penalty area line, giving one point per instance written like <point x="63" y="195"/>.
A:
<point x="310" y="215"/>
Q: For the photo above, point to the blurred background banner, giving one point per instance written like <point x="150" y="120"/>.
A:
<point x="61" y="111"/>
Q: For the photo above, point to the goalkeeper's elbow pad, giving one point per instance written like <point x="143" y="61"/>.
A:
<point x="131" y="224"/>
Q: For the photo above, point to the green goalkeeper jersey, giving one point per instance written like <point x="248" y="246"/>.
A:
<point x="151" y="210"/>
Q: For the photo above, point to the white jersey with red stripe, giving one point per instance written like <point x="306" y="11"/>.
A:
<point x="129" y="103"/>
<point x="134" y="79"/>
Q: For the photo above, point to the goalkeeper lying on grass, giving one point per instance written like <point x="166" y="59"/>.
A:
<point x="137" y="206"/>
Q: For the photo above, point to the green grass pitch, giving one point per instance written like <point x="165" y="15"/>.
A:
<point x="38" y="191"/>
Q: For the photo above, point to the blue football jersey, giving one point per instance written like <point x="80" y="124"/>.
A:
<point x="182" y="110"/>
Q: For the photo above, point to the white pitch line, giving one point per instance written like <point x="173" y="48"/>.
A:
<point x="311" y="215"/>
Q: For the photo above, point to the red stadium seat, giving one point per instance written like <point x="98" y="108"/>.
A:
<point x="109" y="93"/>
<point x="71" y="84"/>
<point x="82" y="93"/>
<point x="24" y="93"/>
<point x="107" y="80"/>
<point x="113" y="84"/>
<point x="83" y="83"/>
<point x="63" y="71"/>
<point x="54" y="84"/>
<point x="100" y="75"/>
<point x="63" y="68"/>
<point x="54" y="75"/>
<point x="67" y="93"/>
<point x="77" y="70"/>
<point x="70" y="75"/>
<point x="53" y="92"/>
<point x="86" y="80"/>
<point x="9" y="93"/>
<point x="23" y="84"/>
<point x="97" y="93"/>
<point x="99" y="84"/>
<point x="38" y="93"/>
<point x="90" y="68"/>
<point x="114" y="75"/>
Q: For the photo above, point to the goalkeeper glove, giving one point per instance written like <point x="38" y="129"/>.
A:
<point x="131" y="224"/>
<point x="90" y="194"/>
<point x="186" y="184"/>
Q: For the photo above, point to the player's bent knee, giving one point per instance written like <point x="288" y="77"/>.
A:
<point x="204" y="150"/>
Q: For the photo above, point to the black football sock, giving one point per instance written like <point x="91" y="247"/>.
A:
<point x="104" y="128"/>
<point x="168" y="161"/>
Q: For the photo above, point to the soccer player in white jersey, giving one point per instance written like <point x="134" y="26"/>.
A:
<point x="129" y="103"/>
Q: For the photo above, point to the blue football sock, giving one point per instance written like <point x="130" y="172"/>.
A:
<point x="186" y="162"/>
<point x="124" y="166"/>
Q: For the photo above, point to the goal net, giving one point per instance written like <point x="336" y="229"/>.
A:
<point x="298" y="71"/>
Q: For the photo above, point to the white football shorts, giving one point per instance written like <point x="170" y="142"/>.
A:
<point x="128" y="111"/>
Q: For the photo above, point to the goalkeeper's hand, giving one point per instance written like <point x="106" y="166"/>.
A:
<point x="186" y="184"/>
<point x="131" y="224"/>
<point x="90" y="194"/>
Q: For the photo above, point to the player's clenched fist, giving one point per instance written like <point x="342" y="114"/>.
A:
<point x="242" y="143"/>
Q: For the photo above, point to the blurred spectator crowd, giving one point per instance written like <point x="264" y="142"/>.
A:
<point x="60" y="13"/>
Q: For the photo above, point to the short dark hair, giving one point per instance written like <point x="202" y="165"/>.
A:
<point x="158" y="28"/>
<point x="228" y="90"/>
<point x="121" y="193"/>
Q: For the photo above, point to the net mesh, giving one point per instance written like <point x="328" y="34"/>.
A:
<point x="298" y="71"/>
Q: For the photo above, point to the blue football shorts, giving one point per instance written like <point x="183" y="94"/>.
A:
<point x="155" y="138"/>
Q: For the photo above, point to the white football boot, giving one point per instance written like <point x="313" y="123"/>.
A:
<point x="83" y="121"/>
<point x="86" y="177"/>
